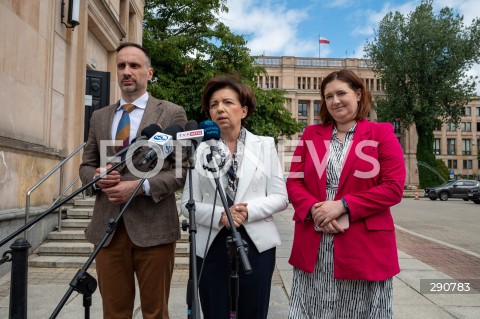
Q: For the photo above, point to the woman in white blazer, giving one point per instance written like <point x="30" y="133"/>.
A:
<point x="255" y="190"/>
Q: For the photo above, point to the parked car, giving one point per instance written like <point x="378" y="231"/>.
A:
<point x="453" y="189"/>
<point x="474" y="195"/>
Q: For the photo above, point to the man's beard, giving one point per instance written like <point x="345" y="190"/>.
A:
<point x="129" y="88"/>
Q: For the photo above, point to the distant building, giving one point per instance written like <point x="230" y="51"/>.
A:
<point x="301" y="78"/>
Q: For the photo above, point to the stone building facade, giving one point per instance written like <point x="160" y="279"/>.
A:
<point x="53" y="76"/>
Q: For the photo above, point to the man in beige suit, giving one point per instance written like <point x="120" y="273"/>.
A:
<point x="143" y="243"/>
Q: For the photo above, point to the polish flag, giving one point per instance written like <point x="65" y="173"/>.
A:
<point x="324" y="41"/>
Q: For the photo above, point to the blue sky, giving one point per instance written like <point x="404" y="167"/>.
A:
<point x="281" y="27"/>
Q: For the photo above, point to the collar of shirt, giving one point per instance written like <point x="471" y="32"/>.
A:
<point x="347" y="134"/>
<point x="141" y="102"/>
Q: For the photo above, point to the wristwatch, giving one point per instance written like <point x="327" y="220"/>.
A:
<point x="344" y="202"/>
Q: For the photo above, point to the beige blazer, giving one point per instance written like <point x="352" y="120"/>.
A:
<point x="149" y="220"/>
<point x="260" y="184"/>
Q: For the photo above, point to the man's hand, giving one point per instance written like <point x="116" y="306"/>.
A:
<point x="109" y="180"/>
<point x="121" y="192"/>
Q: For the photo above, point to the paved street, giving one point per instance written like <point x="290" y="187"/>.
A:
<point x="421" y="257"/>
<point x="454" y="221"/>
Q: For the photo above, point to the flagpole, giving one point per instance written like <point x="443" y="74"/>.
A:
<point x="319" y="45"/>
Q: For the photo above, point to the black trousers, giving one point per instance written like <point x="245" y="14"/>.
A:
<point x="254" y="289"/>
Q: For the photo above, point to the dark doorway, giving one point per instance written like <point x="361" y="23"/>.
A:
<point x="98" y="87"/>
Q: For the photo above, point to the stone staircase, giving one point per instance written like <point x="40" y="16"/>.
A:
<point x="69" y="248"/>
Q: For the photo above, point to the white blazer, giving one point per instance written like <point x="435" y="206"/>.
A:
<point x="260" y="184"/>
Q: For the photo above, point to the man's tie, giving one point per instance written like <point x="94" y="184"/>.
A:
<point x="123" y="128"/>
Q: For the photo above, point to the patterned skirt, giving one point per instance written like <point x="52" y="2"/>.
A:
<point x="318" y="295"/>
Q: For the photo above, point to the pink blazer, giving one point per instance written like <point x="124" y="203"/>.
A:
<point x="371" y="181"/>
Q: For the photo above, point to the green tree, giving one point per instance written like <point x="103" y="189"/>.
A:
<point x="422" y="60"/>
<point x="189" y="45"/>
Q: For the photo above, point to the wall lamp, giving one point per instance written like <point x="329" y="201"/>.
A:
<point x="73" y="13"/>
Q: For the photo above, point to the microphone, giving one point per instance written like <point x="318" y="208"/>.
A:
<point x="211" y="130"/>
<point x="191" y="133"/>
<point x="146" y="133"/>
<point x="195" y="136"/>
<point x="217" y="149"/>
<point x="161" y="143"/>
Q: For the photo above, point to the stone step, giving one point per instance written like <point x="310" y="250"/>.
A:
<point x="63" y="248"/>
<point x="75" y="223"/>
<point x="58" y="261"/>
<point x="79" y="262"/>
<point x="80" y="212"/>
<point x="88" y="202"/>
<point x="184" y="237"/>
<point x="181" y="262"/>
<point x="182" y="249"/>
<point x="80" y="247"/>
<point x="67" y="235"/>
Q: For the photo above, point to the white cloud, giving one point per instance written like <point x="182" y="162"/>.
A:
<point x="270" y="28"/>
<point x="339" y="4"/>
<point x="372" y="18"/>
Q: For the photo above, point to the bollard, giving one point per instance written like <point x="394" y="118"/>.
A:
<point x="18" y="283"/>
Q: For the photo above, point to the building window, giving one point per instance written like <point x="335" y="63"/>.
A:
<point x="466" y="147"/>
<point x="436" y="146"/>
<point x="316" y="108"/>
<point x="467" y="164"/>
<point x="477" y="111"/>
<point x="271" y="82"/>
<point x="466" y="127"/>
<point x="450" y="146"/>
<point x="267" y="61"/>
<point x="452" y="164"/>
<point x="468" y="111"/>
<point x="451" y="127"/>
<point x="302" y="109"/>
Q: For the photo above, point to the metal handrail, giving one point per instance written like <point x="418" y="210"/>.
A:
<point x="59" y="166"/>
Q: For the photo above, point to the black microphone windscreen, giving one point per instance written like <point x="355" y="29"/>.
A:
<point x="191" y="125"/>
<point x="210" y="129"/>
<point x="150" y="130"/>
<point x="173" y="130"/>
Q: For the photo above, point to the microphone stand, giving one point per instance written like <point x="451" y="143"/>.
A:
<point x="83" y="282"/>
<point x="63" y="201"/>
<point x="192" y="286"/>
<point x="236" y="246"/>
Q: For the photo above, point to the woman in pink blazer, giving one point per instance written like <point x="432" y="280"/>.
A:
<point x="346" y="170"/>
